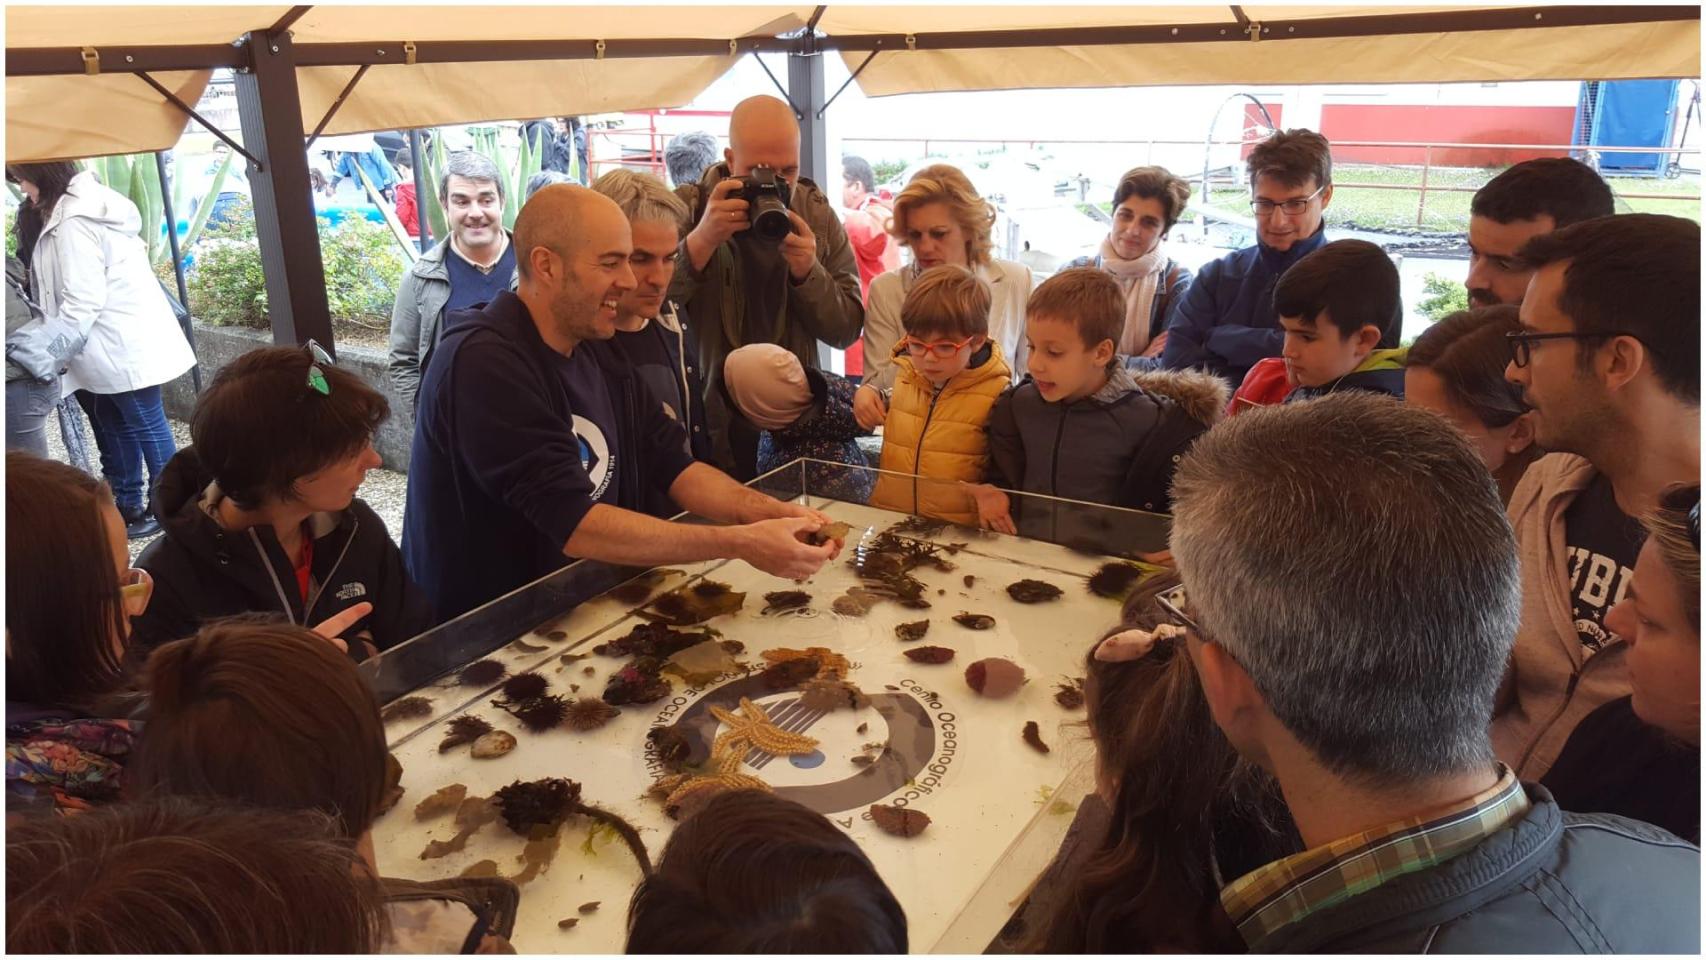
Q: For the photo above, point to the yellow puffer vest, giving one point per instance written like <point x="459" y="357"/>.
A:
<point x="940" y="437"/>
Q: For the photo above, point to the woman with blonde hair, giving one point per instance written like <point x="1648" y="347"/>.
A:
<point x="941" y="218"/>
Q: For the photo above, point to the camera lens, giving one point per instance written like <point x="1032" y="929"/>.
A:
<point x="770" y="219"/>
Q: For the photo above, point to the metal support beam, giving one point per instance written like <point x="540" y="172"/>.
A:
<point x="806" y="90"/>
<point x="424" y="227"/>
<point x="177" y="260"/>
<point x="270" y="107"/>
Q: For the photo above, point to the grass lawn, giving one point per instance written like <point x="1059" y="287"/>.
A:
<point x="1448" y="212"/>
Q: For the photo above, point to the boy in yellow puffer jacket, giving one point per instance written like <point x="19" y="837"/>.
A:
<point x="949" y="374"/>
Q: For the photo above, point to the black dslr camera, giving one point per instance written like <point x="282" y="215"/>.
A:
<point x="767" y="197"/>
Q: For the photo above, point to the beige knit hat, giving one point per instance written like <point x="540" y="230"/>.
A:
<point x="768" y="385"/>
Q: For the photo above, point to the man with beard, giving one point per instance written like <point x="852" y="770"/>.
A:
<point x="1529" y="199"/>
<point x="1609" y="360"/>
<point x="536" y="443"/>
<point x="464" y="270"/>
<point x="739" y="287"/>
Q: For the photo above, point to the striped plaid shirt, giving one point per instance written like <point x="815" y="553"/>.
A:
<point x="1266" y="900"/>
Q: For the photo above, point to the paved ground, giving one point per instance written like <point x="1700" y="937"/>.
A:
<point x="384" y="490"/>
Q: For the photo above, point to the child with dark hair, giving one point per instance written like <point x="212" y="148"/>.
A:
<point x="1176" y="813"/>
<point x="70" y="594"/>
<point x="1082" y="426"/>
<point x="1341" y="312"/>
<point x="752" y="873"/>
<point x="1456" y="368"/>
<point x="181" y="877"/>
<point x="270" y="714"/>
<point x="261" y="515"/>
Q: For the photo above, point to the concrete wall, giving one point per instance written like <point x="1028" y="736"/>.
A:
<point x="217" y="346"/>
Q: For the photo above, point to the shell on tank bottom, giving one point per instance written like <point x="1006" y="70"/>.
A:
<point x="494" y="744"/>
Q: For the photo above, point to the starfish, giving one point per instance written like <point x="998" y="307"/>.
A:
<point x="683" y="789"/>
<point x="752" y="728"/>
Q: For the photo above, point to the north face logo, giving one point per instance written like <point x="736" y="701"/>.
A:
<point x="350" y="591"/>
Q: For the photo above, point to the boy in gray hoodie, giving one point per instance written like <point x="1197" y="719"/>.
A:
<point x="1082" y="427"/>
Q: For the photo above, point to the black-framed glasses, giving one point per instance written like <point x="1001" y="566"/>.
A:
<point x="1292" y="207"/>
<point x="1173" y="601"/>
<point x="316" y="374"/>
<point x="1521" y="343"/>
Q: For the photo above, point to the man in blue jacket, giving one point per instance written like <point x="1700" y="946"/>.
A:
<point x="1226" y="321"/>
<point x="537" y="443"/>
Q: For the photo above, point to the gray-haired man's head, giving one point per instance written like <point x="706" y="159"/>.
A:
<point x="1351" y="554"/>
<point x="688" y="155"/>
<point x="543" y="179"/>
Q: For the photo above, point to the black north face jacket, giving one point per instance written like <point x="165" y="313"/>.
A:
<point x="203" y="572"/>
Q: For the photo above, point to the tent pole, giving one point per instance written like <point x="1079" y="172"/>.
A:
<point x="270" y="107"/>
<point x="177" y="261"/>
<point x="806" y="92"/>
<point x="421" y="196"/>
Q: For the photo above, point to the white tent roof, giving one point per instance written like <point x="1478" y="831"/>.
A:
<point x="457" y="80"/>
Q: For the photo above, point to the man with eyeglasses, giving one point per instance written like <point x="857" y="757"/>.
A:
<point x="1355" y="660"/>
<point x="1608" y="358"/>
<point x="1226" y="322"/>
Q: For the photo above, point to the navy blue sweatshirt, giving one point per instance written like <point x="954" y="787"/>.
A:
<point x="514" y="443"/>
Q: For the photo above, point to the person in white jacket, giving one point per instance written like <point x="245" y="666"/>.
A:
<point x="941" y="219"/>
<point x="91" y="274"/>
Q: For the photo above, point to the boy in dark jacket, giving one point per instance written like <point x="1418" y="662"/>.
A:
<point x="260" y="513"/>
<point x="1337" y="306"/>
<point x="1080" y="427"/>
<point x="802" y="414"/>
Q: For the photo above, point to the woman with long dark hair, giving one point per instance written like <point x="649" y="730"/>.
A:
<point x="90" y="273"/>
<point x="1456" y="368"/>
<point x="70" y="594"/>
<point x="1183" y="812"/>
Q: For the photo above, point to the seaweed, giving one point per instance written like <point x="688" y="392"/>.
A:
<point x="474" y="813"/>
<point x="638" y="682"/>
<point x="1114" y="580"/>
<point x="856" y="602"/>
<point x="671" y="746"/>
<point x="1032" y="736"/>
<point x="524" y="686"/>
<point x="521" y="645"/>
<point x="463" y="729"/>
<point x="995" y="677"/>
<point x="912" y="631"/>
<point x="651" y="640"/>
<point x="919" y="526"/>
<point x="784" y="600"/>
<point x="1033" y="591"/>
<point x="788" y="673"/>
<point x="1071" y="693"/>
<point x="832" y="694"/>
<point x="638" y="590"/>
<point x="537" y="808"/>
<point x="443" y="800"/>
<point x="831" y="665"/>
<point x="899" y="821"/>
<point x="481" y="868"/>
<point x="494" y="744"/>
<point x="701" y="663"/>
<point x="537" y="714"/>
<point x="481" y="673"/>
<point x="974" y="621"/>
<point x="408" y="708"/>
<point x="733" y="647"/>
<point x="590" y="713"/>
<point x="393" y="784"/>
<point x="556" y="636"/>
<point x="929" y="654"/>
<point x="969" y="579"/>
<point x="696" y="604"/>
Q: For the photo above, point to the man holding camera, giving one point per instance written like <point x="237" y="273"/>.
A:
<point x="767" y="262"/>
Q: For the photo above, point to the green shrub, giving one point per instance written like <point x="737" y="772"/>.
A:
<point x="1444" y="298"/>
<point x="885" y="170"/>
<point x="362" y="263"/>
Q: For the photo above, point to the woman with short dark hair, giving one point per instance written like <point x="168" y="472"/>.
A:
<point x="90" y="272"/>
<point x="261" y="515"/>
<point x="1147" y="203"/>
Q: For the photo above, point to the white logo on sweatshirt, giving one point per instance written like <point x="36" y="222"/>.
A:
<point x="350" y="591"/>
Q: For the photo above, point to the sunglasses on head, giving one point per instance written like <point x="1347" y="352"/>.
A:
<point x="316" y="373"/>
<point x="1173" y="601"/>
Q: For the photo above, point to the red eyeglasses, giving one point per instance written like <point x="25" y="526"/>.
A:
<point x="943" y="349"/>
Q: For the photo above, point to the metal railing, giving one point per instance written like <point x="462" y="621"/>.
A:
<point x="1427" y="147"/>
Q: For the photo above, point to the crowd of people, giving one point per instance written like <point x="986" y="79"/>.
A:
<point x="1422" y="674"/>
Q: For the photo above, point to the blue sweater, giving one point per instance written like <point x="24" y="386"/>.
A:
<point x="498" y="476"/>
<point x="1226" y="321"/>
